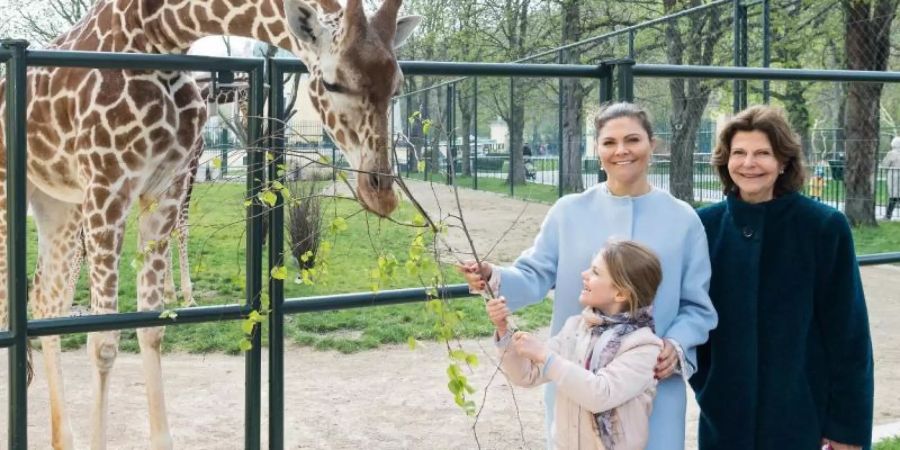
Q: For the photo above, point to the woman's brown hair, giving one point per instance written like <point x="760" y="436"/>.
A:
<point x="617" y="110"/>
<point x="785" y="146"/>
<point x="634" y="269"/>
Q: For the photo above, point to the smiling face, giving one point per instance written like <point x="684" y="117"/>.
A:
<point x="753" y="166"/>
<point x="624" y="149"/>
<point x="598" y="290"/>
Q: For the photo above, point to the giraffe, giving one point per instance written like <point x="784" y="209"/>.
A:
<point x="102" y="141"/>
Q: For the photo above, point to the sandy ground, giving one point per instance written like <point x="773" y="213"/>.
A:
<point x="391" y="398"/>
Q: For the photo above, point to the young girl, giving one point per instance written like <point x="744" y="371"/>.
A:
<point x="602" y="361"/>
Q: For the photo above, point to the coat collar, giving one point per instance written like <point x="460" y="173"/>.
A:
<point x="753" y="213"/>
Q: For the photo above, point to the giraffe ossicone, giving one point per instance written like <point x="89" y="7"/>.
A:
<point x="102" y="141"/>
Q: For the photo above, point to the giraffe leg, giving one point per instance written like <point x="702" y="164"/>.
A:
<point x="157" y="227"/>
<point x="103" y="234"/>
<point x="59" y="244"/>
<point x="187" y="288"/>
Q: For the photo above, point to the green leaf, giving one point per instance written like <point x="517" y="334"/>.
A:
<point x="168" y="314"/>
<point x="247" y="326"/>
<point x="426" y="126"/>
<point x="255" y="316"/>
<point x="459" y="355"/>
<point x="279" y="273"/>
<point x="268" y="197"/>
<point x="338" y="224"/>
<point x="420" y="166"/>
<point x="270" y="156"/>
<point x="217" y="163"/>
<point x="412" y="342"/>
<point x="245" y="345"/>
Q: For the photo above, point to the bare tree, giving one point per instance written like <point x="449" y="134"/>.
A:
<point x="691" y="40"/>
<point x="867" y="45"/>
<point x="41" y="22"/>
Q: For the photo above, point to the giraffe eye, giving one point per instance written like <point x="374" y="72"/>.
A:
<point x="331" y="87"/>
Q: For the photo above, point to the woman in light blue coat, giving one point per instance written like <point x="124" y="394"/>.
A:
<point x="626" y="206"/>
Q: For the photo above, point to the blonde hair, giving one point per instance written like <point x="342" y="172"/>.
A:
<point x="634" y="269"/>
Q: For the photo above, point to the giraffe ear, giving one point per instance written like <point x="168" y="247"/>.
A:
<point x="303" y="21"/>
<point x="405" y="27"/>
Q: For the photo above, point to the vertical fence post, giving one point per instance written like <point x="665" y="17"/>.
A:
<point x="738" y="30"/>
<point x="16" y="244"/>
<point x="607" y="91"/>
<point x="766" y="56"/>
<point x="560" y="161"/>
<point x="509" y="128"/>
<point x="255" y="174"/>
<point x="631" y="44"/>
<point x="409" y="150"/>
<point x="223" y="143"/>
<point x="475" y="126"/>
<point x="277" y="171"/>
<point x="448" y="121"/>
<point x="626" y="80"/>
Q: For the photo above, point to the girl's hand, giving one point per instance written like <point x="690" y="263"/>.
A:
<point x="666" y="361"/>
<point x="477" y="279"/>
<point x="498" y="312"/>
<point x="530" y="347"/>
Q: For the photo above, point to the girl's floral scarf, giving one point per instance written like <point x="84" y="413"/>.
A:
<point x="621" y="324"/>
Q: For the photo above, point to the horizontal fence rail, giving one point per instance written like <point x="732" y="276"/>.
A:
<point x="761" y="73"/>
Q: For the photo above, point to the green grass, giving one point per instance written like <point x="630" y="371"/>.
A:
<point x="881" y="239"/>
<point x="892" y="443"/>
<point x="217" y="266"/>
<point x="536" y="192"/>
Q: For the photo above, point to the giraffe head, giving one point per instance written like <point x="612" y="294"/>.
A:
<point x="353" y="75"/>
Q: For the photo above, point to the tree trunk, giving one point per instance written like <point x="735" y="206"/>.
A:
<point x="689" y="97"/>
<point x="572" y="132"/>
<point x="867" y="47"/>
<point x="573" y="101"/>
<point x="684" y="123"/>
<point x="516" y="124"/>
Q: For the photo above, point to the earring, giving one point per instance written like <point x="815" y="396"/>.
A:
<point x="781" y="172"/>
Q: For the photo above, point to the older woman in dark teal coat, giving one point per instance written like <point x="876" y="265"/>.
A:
<point x="790" y="364"/>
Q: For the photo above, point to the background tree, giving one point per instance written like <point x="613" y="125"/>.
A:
<point x="690" y="40"/>
<point x="867" y="46"/>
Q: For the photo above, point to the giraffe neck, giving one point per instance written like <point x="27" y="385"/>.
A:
<point x="171" y="26"/>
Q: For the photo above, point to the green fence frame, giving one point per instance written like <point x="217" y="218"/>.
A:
<point x="17" y="58"/>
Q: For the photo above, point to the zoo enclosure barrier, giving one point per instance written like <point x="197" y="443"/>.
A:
<point x="17" y="58"/>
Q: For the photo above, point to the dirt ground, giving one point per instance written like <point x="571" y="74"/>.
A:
<point x="390" y="398"/>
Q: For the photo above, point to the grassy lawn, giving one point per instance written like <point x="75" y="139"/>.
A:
<point x="888" y="444"/>
<point x="529" y="191"/>
<point x="217" y="266"/>
<point x="881" y="239"/>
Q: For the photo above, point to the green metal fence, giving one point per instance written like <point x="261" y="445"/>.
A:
<point x="17" y="58"/>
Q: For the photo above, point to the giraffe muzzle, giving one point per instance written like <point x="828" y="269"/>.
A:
<point x="376" y="191"/>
